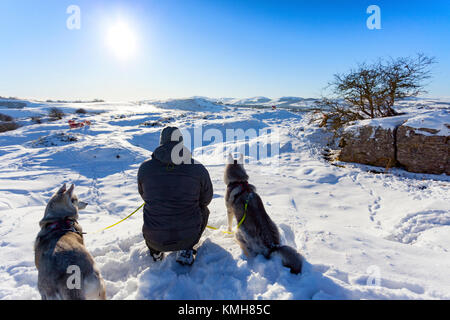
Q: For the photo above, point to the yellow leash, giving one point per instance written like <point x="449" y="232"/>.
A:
<point x="240" y="222"/>
<point x="210" y="227"/>
<point x="228" y="232"/>
<point x="115" y="224"/>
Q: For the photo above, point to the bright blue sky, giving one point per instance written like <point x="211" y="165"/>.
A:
<point x="215" y="48"/>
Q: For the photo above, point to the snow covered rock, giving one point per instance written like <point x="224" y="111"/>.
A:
<point x="367" y="144"/>
<point x="418" y="142"/>
<point x="423" y="143"/>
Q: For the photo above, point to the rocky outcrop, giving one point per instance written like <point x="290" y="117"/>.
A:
<point x="369" y="145"/>
<point x="421" y="153"/>
<point x="417" y="143"/>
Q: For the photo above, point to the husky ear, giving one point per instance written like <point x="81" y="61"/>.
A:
<point x="241" y="158"/>
<point x="82" y="205"/>
<point x="62" y="189"/>
<point x="230" y="158"/>
<point x="70" y="191"/>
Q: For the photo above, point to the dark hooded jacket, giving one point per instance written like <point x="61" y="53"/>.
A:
<point x="176" y="199"/>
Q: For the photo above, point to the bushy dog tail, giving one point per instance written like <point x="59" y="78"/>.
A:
<point x="290" y="258"/>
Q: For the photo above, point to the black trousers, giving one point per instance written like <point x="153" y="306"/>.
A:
<point x="185" y="244"/>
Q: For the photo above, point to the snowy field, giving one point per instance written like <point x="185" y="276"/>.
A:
<point x="363" y="235"/>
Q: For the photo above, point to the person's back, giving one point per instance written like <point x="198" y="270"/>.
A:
<point x="176" y="197"/>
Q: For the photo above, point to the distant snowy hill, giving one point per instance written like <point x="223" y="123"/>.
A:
<point x="283" y="102"/>
<point x="188" y="104"/>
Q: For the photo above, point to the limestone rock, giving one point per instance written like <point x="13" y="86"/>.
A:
<point x="369" y="145"/>
<point x="416" y="142"/>
<point x="423" y="151"/>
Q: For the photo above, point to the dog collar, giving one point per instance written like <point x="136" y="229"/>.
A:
<point x="63" y="225"/>
<point x="244" y="186"/>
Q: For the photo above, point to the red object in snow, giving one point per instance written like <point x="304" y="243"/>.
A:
<point x="74" y="125"/>
<point x="274" y="107"/>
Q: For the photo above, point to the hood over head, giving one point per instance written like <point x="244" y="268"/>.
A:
<point x="171" y="149"/>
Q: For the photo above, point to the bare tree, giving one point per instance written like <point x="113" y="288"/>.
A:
<point x="55" y="114"/>
<point x="371" y="91"/>
<point x="403" y="78"/>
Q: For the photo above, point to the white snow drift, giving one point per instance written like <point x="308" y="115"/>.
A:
<point x="363" y="235"/>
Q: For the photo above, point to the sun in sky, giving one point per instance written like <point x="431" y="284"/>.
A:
<point x="122" y="40"/>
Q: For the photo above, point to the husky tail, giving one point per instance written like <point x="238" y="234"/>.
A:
<point x="290" y="258"/>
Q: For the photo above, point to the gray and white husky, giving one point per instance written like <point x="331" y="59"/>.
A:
<point x="66" y="270"/>
<point x="257" y="234"/>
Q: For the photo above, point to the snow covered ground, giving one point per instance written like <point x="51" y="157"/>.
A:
<point x="363" y="235"/>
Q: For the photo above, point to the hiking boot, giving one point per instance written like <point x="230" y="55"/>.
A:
<point x="186" y="257"/>
<point x="156" y="255"/>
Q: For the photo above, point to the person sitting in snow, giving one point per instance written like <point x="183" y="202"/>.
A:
<point x="177" y="191"/>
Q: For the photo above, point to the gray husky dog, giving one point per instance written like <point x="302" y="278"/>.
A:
<point x="66" y="270"/>
<point x="257" y="233"/>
